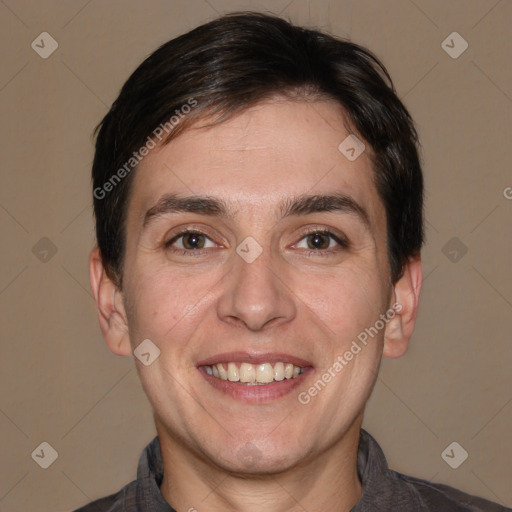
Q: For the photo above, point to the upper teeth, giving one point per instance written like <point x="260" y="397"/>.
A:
<point x="249" y="373"/>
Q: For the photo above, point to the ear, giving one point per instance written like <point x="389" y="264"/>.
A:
<point x="405" y="300"/>
<point x="110" y="307"/>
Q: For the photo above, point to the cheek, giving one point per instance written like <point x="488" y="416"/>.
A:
<point x="346" y="301"/>
<point x="160" y="302"/>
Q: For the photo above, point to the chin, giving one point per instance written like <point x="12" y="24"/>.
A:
<point x="248" y="461"/>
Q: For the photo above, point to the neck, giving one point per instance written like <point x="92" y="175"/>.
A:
<point x="327" y="482"/>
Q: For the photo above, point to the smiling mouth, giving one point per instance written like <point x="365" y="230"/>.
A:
<point x="253" y="374"/>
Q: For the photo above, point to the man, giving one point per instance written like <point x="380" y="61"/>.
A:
<point x="258" y="200"/>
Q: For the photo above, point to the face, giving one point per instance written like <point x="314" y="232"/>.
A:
<point x="257" y="245"/>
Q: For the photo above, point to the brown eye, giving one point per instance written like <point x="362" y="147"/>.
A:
<point x="318" y="241"/>
<point x="322" y="242"/>
<point x="193" y="241"/>
<point x="190" y="241"/>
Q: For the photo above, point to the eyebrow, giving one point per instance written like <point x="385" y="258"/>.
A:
<point x="338" y="202"/>
<point x="171" y="203"/>
<point x="300" y="205"/>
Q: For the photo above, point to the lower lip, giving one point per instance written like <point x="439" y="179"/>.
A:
<point x="257" y="393"/>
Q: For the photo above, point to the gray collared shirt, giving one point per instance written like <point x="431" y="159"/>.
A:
<point x="383" y="489"/>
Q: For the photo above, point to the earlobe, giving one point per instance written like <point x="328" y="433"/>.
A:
<point x="109" y="305"/>
<point x="405" y="300"/>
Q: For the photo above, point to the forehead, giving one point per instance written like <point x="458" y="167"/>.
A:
<point x="254" y="160"/>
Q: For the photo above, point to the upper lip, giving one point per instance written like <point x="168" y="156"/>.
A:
<point x="254" y="358"/>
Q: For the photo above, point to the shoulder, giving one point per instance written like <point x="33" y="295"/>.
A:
<point x="138" y="493"/>
<point x="385" y="489"/>
<point x="441" y="497"/>
<point x="101" y="505"/>
<point x="123" y="500"/>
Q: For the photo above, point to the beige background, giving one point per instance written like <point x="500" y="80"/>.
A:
<point x="60" y="384"/>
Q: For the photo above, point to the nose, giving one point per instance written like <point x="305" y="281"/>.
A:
<point x="256" y="294"/>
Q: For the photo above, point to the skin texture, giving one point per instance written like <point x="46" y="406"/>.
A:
<point x="221" y="453"/>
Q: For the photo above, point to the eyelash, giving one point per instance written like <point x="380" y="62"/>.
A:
<point x="342" y="242"/>
<point x="186" y="252"/>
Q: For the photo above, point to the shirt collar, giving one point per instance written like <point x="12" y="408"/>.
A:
<point x="150" y="473"/>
